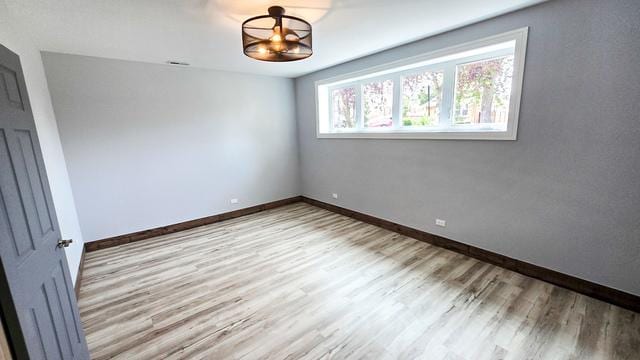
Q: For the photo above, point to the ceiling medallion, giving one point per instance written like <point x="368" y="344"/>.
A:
<point x="276" y="37"/>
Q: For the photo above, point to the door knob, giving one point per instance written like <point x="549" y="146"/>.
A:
<point x="64" y="243"/>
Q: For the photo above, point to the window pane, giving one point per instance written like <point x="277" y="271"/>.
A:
<point x="483" y="89"/>
<point x="343" y="114"/>
<point x="378" y="103"/>
<point x="421" y="99"/>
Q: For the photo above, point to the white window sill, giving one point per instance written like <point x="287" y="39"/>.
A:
<point x="441" y="135"/>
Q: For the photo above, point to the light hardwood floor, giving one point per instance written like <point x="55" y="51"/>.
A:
<point x="299" y="282"/>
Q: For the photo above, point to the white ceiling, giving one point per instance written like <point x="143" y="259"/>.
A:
<point x="206" y="33"/>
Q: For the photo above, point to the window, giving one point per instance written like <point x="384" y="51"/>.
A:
<point x="422" y="99"/>
<point x="343" y="108"/>
<point x="470" y="91"/>
<point x="377" y="100"/>
<point x="482" y="91"/>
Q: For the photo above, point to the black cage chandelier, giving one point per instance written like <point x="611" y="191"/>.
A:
<point x="276" y="37"/>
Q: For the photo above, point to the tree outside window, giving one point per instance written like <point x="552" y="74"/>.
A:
<point x="344" y="108"/>
<point x="421" y="99"/>
<point x="483" y="89"/>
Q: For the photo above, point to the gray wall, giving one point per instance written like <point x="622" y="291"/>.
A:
<point x="16" y="39"/>
<point x="565" y="195"/>
<point x="150" y="145"/>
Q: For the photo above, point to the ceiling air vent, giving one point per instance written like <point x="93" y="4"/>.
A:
<point x="177" y="63"/>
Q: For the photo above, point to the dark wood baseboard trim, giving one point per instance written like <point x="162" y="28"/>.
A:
<point x="146" y="234"/>
<point x="79" y="274"/>
<point x="601" y="292"/>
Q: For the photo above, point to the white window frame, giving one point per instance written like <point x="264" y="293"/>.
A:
<point x="444" y="60"/>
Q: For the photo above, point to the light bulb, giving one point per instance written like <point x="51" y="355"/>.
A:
<point x="277" y="36"/>
<point x="262" y="50"/>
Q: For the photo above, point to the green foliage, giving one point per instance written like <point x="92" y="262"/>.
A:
<point x="419" y="121"/>
<point x="422" y="95"/>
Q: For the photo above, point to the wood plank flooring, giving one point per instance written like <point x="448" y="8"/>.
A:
<point x="299" y="282"/>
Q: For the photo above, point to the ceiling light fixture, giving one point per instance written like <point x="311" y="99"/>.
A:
<point x="276" y="37"/>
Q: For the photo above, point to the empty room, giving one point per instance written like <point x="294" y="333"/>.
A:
<point x="319" y="179"/>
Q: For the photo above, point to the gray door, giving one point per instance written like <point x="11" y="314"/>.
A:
<point x="36" y="292"/>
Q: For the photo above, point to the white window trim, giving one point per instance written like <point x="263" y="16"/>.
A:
<point x="461" y="132"/>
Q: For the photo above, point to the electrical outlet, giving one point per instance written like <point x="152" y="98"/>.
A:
<point x="441" y="222"/>
<point x="234" y="201"/>
<point x="334" y="195"/>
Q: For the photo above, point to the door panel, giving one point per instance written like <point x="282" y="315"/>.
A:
<point x="18" y="232"/>
<point x="12" y="90"/>
<point x="33" y="189"/>
<point x="68" y="326"/>
<point x="41" y="311"/>
<point x="37" y="335"/>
